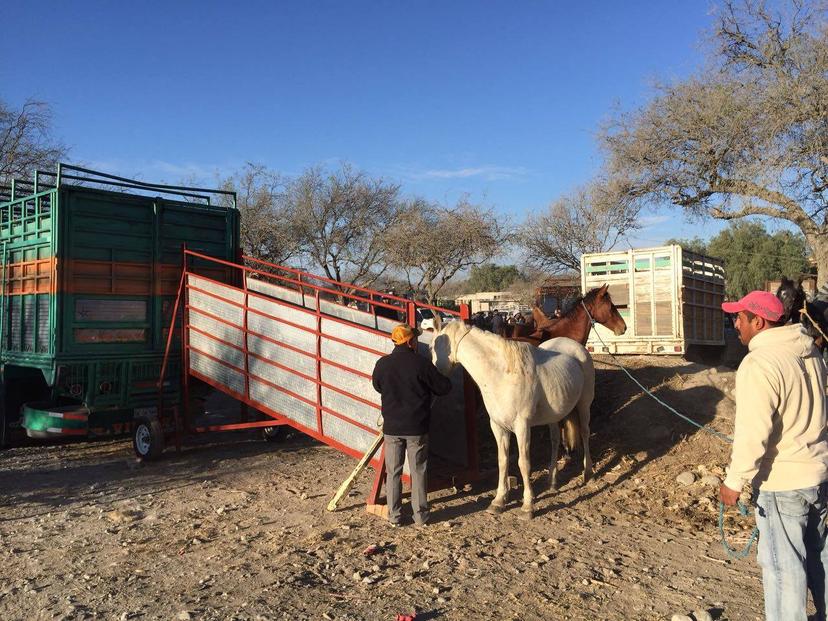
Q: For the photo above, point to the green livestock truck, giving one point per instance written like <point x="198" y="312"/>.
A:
<point x="91" y="264"/>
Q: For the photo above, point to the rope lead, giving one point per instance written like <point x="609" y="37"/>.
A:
<point x="743" y="510"/>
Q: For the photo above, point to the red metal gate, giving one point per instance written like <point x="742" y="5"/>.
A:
<point x="300" y="349"/>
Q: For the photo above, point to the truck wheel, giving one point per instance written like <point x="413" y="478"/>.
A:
<point x="147" y="438"/>
<point x="277" y="433"/>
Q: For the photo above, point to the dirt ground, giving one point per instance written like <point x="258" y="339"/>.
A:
<point x="236" y="528"/>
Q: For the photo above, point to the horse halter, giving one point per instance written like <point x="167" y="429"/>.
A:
<point x="586" y="310"/>
<point x="460" y="340"/>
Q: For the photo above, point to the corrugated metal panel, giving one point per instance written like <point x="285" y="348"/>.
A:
<point x="290" y="381"/>
<point x="281" y="332"/>
<point x="15" y="321"/>
<point x="219" y="308"/>
<point x="351" y="382"/>
<point x="349" y="407"/>
<point x="225" y="353"/>
<point x="290" y="407"/>
<point x="29" y="325"/>
<point x="347" y="434"/>
<point x="281" y="293"/>
<point x="350" y="356"/>
<point x="281" y="311"/>
<point x="344" y="390"/>
<point x="282" y="355"/>
<point x="354" y="334"/>
<point x="218" y="372"/>
<point x="43" y="335"/>
<point x="216" y="328"/>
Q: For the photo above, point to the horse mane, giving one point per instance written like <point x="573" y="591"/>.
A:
<point x="517" y="354"/>
<point x="588" y="298"/>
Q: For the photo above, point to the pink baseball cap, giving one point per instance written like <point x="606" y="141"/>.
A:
<point x="761" y="303"/>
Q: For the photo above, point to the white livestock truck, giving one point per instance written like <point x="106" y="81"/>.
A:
<point x="670" y="298"/>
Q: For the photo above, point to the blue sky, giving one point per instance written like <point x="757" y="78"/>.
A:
<point x="500" y="100"/>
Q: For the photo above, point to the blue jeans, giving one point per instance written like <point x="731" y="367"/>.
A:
<point x="792" y="551"/>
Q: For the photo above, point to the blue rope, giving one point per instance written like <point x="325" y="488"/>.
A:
<point x="731" y="552"/>
<point x="743" y="510"/>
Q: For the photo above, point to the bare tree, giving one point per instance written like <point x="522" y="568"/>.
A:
<point x="749" y="135"/>
<point x="342" y="219"/>
<point x="592" y="219"/>
<point x="431" y="244"/>
<point x="26" y="140"/>
<point x="267" y="230"/>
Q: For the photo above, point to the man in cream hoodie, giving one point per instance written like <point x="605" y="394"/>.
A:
<point x="780" y="444"/>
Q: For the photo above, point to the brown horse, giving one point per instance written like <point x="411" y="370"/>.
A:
<point x="576" y="325"/>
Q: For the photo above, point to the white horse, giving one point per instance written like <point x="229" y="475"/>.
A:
<point x="522" y="387"/>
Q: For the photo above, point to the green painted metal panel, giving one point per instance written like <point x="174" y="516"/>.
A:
<point x="96" y="328"/>
<point x="605" y="267"/>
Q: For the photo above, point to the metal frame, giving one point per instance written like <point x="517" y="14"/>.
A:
<point x="320" y="290"/>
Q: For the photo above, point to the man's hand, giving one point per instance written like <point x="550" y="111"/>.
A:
<point x="728" y="496"/>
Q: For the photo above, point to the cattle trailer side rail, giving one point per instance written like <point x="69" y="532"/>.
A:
<point x="293" y="346"/>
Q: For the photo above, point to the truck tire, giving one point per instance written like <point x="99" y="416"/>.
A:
<point x="147" y="438"/>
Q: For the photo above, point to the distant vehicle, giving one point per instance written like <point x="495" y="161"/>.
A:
<point x="425" y="318"/>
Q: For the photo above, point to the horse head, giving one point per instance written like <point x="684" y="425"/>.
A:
<point x="600" y="306"/>
<point x="793" y="298"/>
<point x="445" y="343"/>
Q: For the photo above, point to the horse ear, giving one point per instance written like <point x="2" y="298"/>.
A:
<point x="603" y="290"/>
<point x="438" y="322"/>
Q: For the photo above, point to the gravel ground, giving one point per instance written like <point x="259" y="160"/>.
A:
<point x="236" y="528"/>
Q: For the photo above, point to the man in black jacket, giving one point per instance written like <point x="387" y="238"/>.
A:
<point x="407" y="382"/>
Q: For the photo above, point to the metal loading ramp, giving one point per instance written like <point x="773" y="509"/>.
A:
<point x="300" y="350"/>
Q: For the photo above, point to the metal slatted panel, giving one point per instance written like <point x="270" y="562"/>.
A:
<point x="346" y="417"/>
<point x="43" y="323"/>
<point x="218" y="329"/>
<point x="282" y="355"/>
<point x="283" y="403"/>
<point x="281" y="293"/>
<point x="232" y="379"/>
<point x="15" y="322"/>
<point x="206" y="345"/>
<point x="351" y="382"/>
<point x="283" y="333"/>
<point x="260" y="369"/>
<point x="346" y="433"/>
<point x="29" y="326"/>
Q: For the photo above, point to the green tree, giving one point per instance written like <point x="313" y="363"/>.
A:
<point x="695" y="244"/>
<point x="752" y="256"/>
<point x="492" y="277"/>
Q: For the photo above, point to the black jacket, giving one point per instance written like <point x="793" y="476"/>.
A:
<point x="406" y="382"/>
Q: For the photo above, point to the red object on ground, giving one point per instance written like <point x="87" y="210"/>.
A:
<point x="402" y="617"/>
<point x="371" y="550"/>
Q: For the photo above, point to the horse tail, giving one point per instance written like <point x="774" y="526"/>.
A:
<point x="571" y="431"/>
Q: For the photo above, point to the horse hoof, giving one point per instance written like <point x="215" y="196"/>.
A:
<point x="526" y="514"/>
<point x="495" y="509"/>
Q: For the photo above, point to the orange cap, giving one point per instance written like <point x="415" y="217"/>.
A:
<point x="403" y="333"/>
